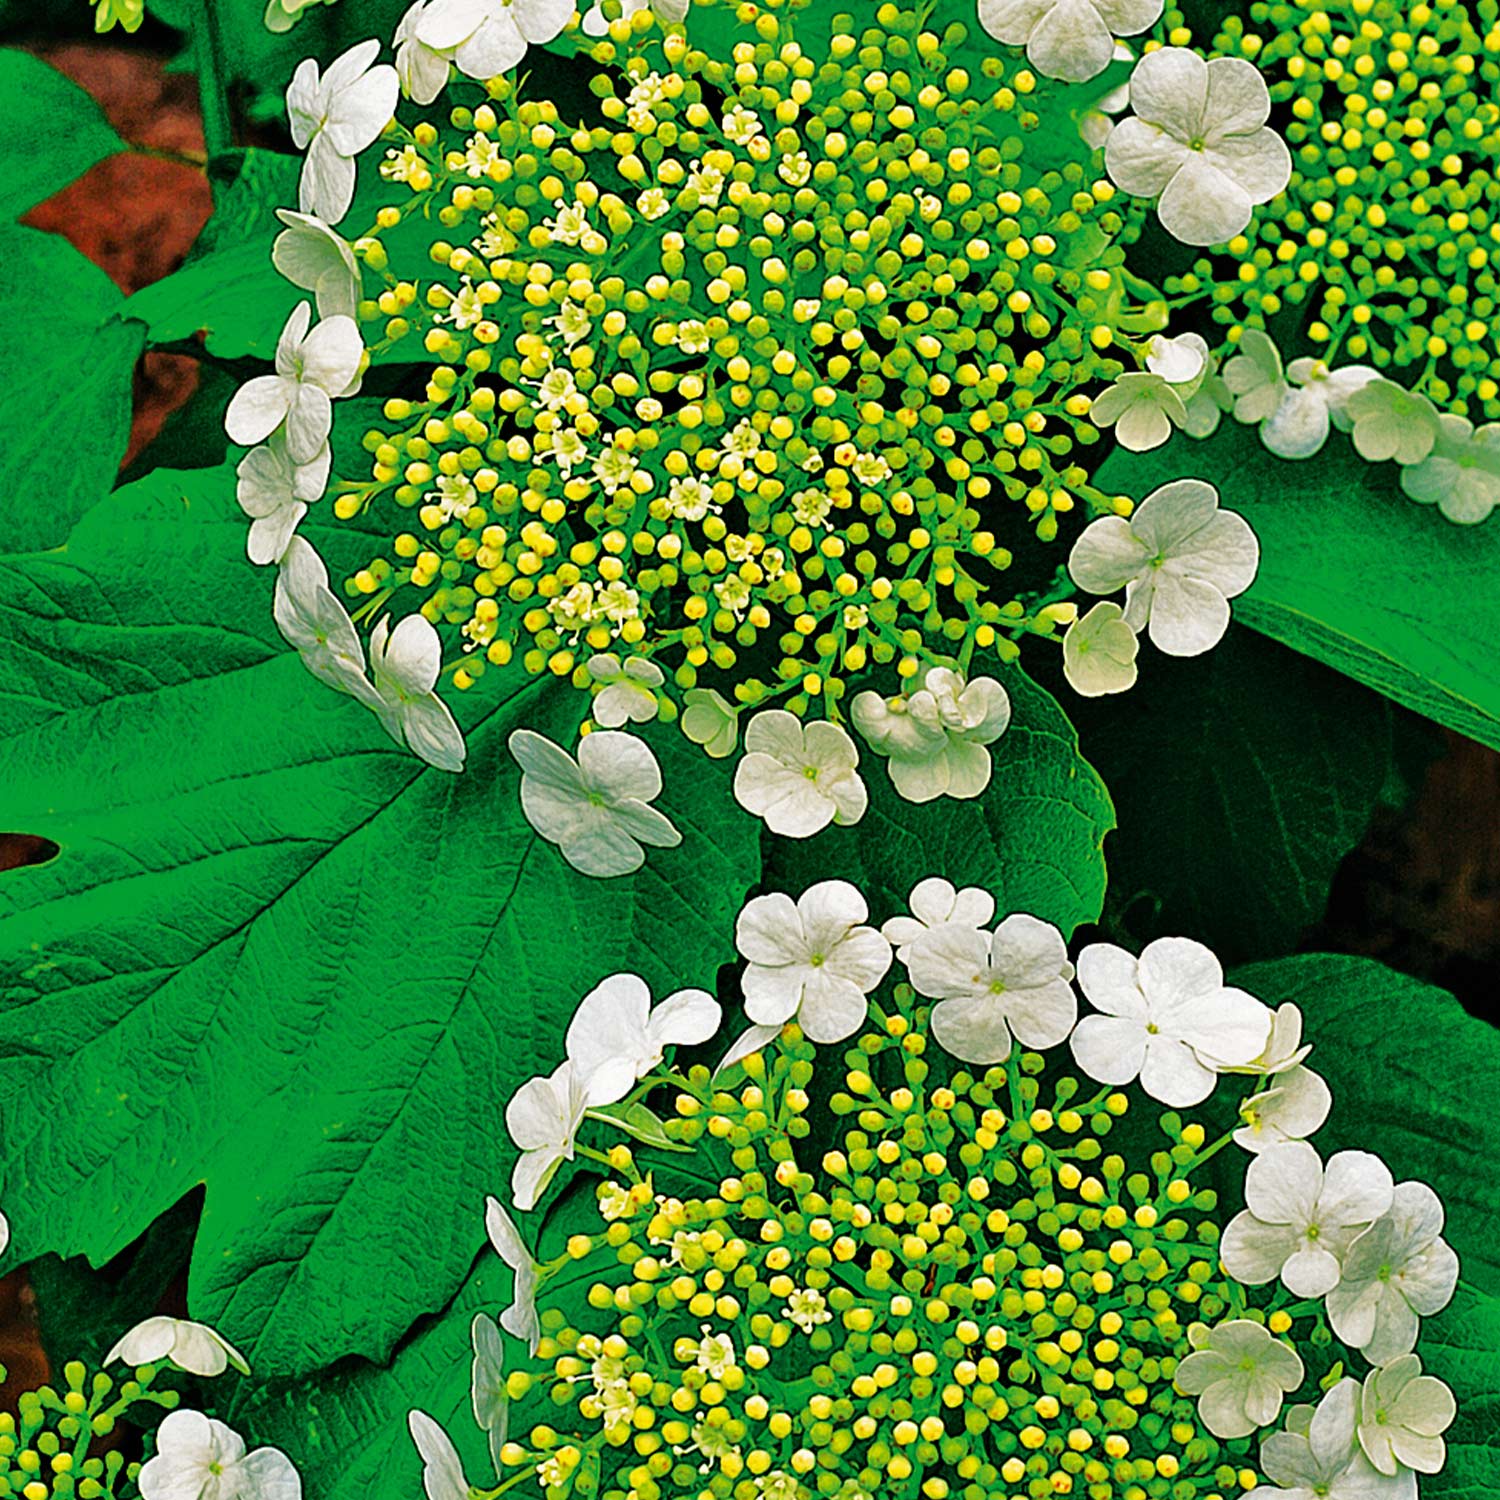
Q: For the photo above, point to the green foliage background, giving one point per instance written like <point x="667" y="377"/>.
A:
<point x="261" y="1014"/>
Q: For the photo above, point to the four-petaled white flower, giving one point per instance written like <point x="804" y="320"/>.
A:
<point x="1461" y="476"/>
<point x="275" y="492"/>
<point x="404" y="665"/>
<point x="616" y="1038"/>
<point x="936" y="734"/>
<point x="194" y="1347"/>
<point x="668" y="12"/>
<point x="313" y="621"/>
<point x="710" y="720"/>
<point x="812" y="960"/>
<point x="333" y="117"/>
<point x="520" y="1319"/>
<point x="1317" y="1458"/>
<point x="1099" y="652"/>
<point x="1198" y="142"/>
<point x="1390" y="422"/>
<point x="936" y="904"/>
<point x="1402" y="1417"/>
<point x="312" y="369"/>
<point x="1399" y="1270"/>
<point x="596" y="809"/>
<point x="1240" y="1374"/>
<point x="318" y="260"/>
<point x="488" y="1394"/>
<point x="628" y="692"/>
<point x="482" y="38"/>
<point x="543" y="1117"/>
<point x="1302" y="1216"/>
<point x="1142" y="407"/>
<point x="1167" y="1018"/>
<point x="442" y="1471"/>
<point x="1315" y="400"/>
<point x="201" y="1458"/>
<point x="799" y="777"/>
<point x="1296" y="1101"/>
<point x="1180" y="560"/>
<point x="1069" y="39"/>
<point x="1015" y="980"/>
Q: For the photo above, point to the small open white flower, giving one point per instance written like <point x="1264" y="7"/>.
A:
<point x="1294" y="1106"/>
<point x="194" y="1347"/>
<point x="543" y="1117"/>
<point x="799" y="777"/>
<point x="936" y="734"/>
<point x="1402" y="1417"/>
<point x="1302" y="1216"/>
<point x="1461" y="476"/>
<point x="1167" y="1018"/>
<point x="668" y="12"/>
<point x="274" y="491"/>
<point x="710" y="720"/>
<point x="199" y="1457"/>
<point x="1015" y="980"/>
<point x="1068" y="39"/>
<point x="936" y="904"/>
<point x="484" y="38"/>
<point x="1180" y="560"/>
<point x="313" y="621"/>
<point x="488" y="1394"/>
<point x="405" y="664"/>
<point x="812" y="960"/>
<point x="333" y="117"/>
<point x="1390" y="422"/>
<point x="1315" y="400"/>
<point x="312" y="369"/>
<point x="442" y="1471"/>
<point x="627" y="694"/>
<point x="520" y="1319"/>
<point x="615" y="1037"/>
<point x="1240" y="1374"/>
<point x="1317" y="1458"/>
<point x="318" y="260"/>
<point x="1142" y="407"/>
<point x="1099" y="652"/>
<point x="596" y="808"/>
<point x="1399" y="1270"/>
<point x="1198" y="142"/>
<point x="1254" y="377"/>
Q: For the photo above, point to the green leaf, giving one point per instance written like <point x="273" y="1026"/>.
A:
<point x="1413" y="1077"/>
<point x="1352" y="572"/>
<point x="1252" y="752"/>
<point x="66" y="364"/>
<point x="276" y="955"/>
<point x="64" y="132"/>
<point x="1034" y="838"/>
<point x="1462" y="1346"/>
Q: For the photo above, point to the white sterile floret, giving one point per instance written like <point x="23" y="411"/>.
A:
<point x="936" y="734"/>
<point x="1254" y="377"/>
<point x="1399" y="1270"/>
<point x="1180" y="360"/>
<point x="194" y="1347"/>
<point x="333" y="117"/>
<point x="442" y="1470"/>
<point x="199" y="1457"/>
<point x="1402" y="1417"/>
<point x="1142" y="407"/>
<point x="1296" y="1102"/>
<point x="1240" y="1374"/>
<point x="596" y="808"/>
<point x="1068" y="39"/>
<point x="1317" y="1457"/>
<point x="799" y="778"/>
<point x="813" y="960"/>
<point x="1180" y="560"/>
<point x="1191" y="368"/>
<point x="1316" y="399"/>
<point x="627" y="693"/>
<point x="488" y="1394"/>
<point x="520" y="1319"/>
<point x="318" y="260"/>
<point x="1301" y="1216"/>
<point x="313" y="621"/>
<point x="1461" y="476"/>
<point x="1099" y="652"/>
<point x="1167" y="1018"/>
<point x="616" y="1037"/>
<point x="312" y="369"/>
<point x="274" y="491"/>
<point x="1198" y="142"/>
<point x="423" y="70"/>
<point x="543" y="1117"/>
<point x="668" y="12"/>
<point x="992" y="985"/>
<point x="1389" y="422"/>
<point x="936" y="904"/>
<point x="481" y="38"/>
<point x="710" y="720"/>
<point x="404" y="666"/>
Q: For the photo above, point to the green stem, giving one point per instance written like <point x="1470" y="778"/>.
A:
<point x="218" y="134"/>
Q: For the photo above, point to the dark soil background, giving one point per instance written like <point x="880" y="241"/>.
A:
<point x="1421" y="893"/>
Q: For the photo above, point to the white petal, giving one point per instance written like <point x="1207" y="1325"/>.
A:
<point x="972" y="1028"/>
<point x="1173" y="1074"/>
<point x="1254" y="1252"/>
<point x="442" y="1473"/>
<point x="1109" y="1049"/>
<point x="257" y="409"/>
<point x="1202" y="205"/>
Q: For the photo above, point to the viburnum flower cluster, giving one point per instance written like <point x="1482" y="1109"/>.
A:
<point x="740" y="398"/>
<point x="950" y="1256"/>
